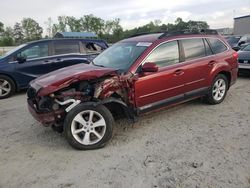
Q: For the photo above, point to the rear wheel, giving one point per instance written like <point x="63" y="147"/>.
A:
<point x="7" y="87"/>
<point x="218" y="90"/>
<point x="88" y="127"/>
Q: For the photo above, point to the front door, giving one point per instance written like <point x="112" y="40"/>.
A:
<point x="165" y="86"/>
<point x="36" y="63"/>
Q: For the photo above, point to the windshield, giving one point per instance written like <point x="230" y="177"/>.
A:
<point x="13" y="50"/>
<point x="247" y="48"/>
<point x="121" y="55"/>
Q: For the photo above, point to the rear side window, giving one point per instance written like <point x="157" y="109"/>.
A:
<point x="66" y="47"/>
<point x="164" y="55"/>
<point x="217" y="46"/>
<point x="193" y="48"/>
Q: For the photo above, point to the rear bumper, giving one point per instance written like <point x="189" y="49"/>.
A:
<point x="46" y="118"/>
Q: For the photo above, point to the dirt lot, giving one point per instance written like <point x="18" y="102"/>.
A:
<point x="190" y="145"/>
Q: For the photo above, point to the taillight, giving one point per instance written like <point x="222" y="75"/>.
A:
<point x="235" y="55"/>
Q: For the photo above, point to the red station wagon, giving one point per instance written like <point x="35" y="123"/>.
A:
<point x="133" y="76"/>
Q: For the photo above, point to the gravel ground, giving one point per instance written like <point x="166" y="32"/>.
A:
<point x="190" y="145"/>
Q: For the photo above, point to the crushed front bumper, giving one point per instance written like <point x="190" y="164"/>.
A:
<point x="46" y="118"/>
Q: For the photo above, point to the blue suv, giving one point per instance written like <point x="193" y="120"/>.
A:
<point x="29" y="61"/>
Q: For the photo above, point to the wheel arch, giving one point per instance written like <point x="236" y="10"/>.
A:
<point x="114" y="104"/>
<point x="12" y="78"/>
<point x="228" y="76"/>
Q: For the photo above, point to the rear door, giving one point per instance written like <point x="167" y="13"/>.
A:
<point x="197" y="65"/>
<point x="66" y="53"/>
<point x="153" y="90"/>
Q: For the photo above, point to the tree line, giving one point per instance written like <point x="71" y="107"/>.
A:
<point x="111" y="30"/>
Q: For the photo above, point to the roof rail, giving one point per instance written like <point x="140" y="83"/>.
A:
<point x="189" y="32"/>
<point x="181" y="32"/>
<point x="144" y="33"/>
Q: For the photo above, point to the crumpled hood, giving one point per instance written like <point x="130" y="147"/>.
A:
<point x="61" y="78"/>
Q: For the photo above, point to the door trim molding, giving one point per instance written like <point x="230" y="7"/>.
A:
<point x="173" y="100"/>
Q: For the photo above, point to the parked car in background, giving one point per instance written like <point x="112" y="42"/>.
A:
<point x="233" y="40"/>
<point x="29" y="61"/>
<point x="243" y="41"/>
<point x="244" y="59"/>
<point x="133" y="76"/>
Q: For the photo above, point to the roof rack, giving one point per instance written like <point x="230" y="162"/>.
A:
<point x="189" y="32"/>
<point x="144" y="33"/>
<point x="182" y="32"/>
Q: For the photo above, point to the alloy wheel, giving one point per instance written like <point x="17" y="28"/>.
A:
<point x="219" y="89"/>
<point x="5" y="87"/>
<point x="88" y="127"/>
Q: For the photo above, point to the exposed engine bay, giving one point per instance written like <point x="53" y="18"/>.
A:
<point x="57" y="104"/>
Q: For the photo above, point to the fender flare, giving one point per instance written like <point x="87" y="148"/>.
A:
<point x="129" y="112"/>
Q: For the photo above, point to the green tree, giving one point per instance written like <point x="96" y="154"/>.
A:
<point x="18" y="33"/>
<point x="1" y="27"/>
<point x="55" y="29"/>
<point x="62" y="23"/>
<point x="197" y="25"/>
<point x="92" y="23"/>
<point x="7" y="38"/>
<point x="32" y="30"/>
<point x="74" y="24"/>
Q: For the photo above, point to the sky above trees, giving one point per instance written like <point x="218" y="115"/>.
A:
<point x="133" y="13"/>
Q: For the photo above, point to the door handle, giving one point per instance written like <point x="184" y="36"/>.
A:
<point x="59" y="60"/>
<point x="178" y="72"/>
<point x="211" y="63"/>
<point x="46" y="62"/>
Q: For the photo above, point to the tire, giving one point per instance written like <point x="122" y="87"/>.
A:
<point x="7" y="87"/>
<point x="91" y="133"/>
<point x="218" y="90"/>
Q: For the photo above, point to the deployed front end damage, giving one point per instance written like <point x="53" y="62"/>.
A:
<point x="51" y="107"/>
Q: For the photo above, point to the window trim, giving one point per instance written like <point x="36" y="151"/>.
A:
<point x="205" y="41"/>
<point x="31" y="46"/>
<point x="176" y="39"/>
<point x="164" y="44"/>
<point x="212" y="48"/>
<point x="144" y="60"/>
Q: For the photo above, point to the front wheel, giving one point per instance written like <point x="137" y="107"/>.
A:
<point x="218" y="90"/>
<point x="88" y="127"/>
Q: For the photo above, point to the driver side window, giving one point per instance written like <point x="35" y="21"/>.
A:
<point x="165" y="54"/>
<point x="36" y="51"/>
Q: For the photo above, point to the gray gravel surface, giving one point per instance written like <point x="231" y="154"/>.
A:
<point x="189" y="145"/>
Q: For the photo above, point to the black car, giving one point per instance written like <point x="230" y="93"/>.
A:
<point x="29" y="61"/>
<point x="238" y="42"/>
<point x="244" y="59"/>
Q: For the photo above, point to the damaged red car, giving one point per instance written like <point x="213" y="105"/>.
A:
<point x="134" y="76"/>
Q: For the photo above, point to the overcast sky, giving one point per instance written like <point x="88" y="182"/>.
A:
<point x="133" y="13"/>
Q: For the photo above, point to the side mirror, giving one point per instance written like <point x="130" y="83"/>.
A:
<point x="149" y="67"/>
<point x="21" y="59"/>
<point x="242" y="42"/>
<point x="236" y="48"/>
